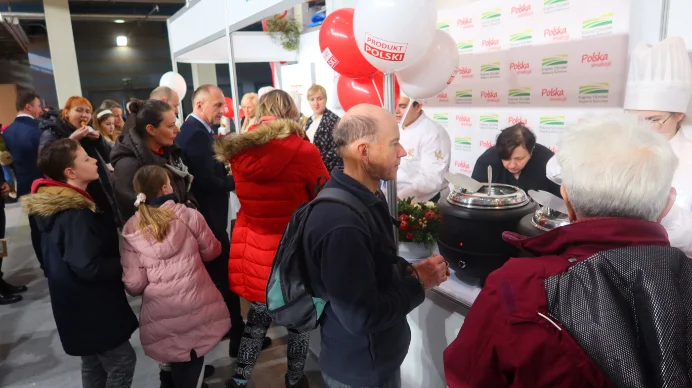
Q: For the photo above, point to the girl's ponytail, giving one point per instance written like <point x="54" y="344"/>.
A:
<point x="154" y="221"/>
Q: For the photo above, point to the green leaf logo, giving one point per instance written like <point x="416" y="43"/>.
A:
<point x="440" y="116"/>
<point x="492" y="14"/>
<point x="465" y="45"/>
<point x="520" y="92"/>
<point x="553" y="120"/>
<point x="521" y="36"/>
<point x="598" y="88"/>
<point x="463" y="140"/>
<point x="443" y="25"/>
<point x="603" y="20"/>
<point x="495" y="66"/>
<point x="556" y="60"/>
<point x="466" y="93"/>
<point x="553" y="2"/>
<point x="491" y="118"/>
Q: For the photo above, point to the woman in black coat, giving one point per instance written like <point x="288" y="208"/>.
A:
<point x="320" y="127"/>
<point x="72" y="122"/>
<point x="517" y="160"/>
<point x="82" y="264"/>
<point x="150" y="142"/>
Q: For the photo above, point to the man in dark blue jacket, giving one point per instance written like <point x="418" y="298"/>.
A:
<point x="22" y="139"/>
<point x="211" y="187"/>
<point x="365" y="335"/>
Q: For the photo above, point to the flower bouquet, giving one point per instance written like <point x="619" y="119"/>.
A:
<point x="419" y="222"/>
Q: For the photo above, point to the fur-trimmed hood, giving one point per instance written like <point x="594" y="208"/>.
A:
<point x="48" y="201"/>
<point x="257" y="153"/>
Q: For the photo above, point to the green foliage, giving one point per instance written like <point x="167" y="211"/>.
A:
<point x="420" y="222"/>
<point x="284" y="31"/>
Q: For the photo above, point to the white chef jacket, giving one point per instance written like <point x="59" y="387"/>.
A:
<point x="678" y="222"/>
<point x="421" y="171"/>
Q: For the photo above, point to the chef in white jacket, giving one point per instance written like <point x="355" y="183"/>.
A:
<point x="659" y="89"/>
<point x="428" y="148"/>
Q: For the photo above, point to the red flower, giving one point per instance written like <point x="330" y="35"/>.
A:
<point x="409" y="236"/>
<point x="403" y="226"/>
<point x="430" y="215"/>
<point x="404" y="217"/>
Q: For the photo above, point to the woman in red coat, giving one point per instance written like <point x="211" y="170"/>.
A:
<point x="276" y="169"/>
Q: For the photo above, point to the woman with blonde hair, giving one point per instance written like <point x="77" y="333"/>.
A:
<point x="248" y="104"/>
<point x="163" y="250"/>
<point x="320" y="127"/>
<point x="103" y="121"/>
<point x="275" y="169"/>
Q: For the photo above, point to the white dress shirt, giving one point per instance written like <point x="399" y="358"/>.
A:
<point x="312" y="130"/>
<point x="25" y="115"/>
<point x="421" y="172"/>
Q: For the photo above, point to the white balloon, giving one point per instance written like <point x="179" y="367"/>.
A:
<point x="433" y="72"/>
<point x="174" y="81"/>
<point x="393" y="35"/>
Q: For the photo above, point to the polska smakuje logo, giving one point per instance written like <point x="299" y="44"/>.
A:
<point x="463" y="120"/>
<point x="491" y="17"/>
<point x="557" y="64"/>
<point x="598" y="26"/>
<point x="490" y="70"/>
<point x="596" y="93"/>
<point x="552" y="124"/>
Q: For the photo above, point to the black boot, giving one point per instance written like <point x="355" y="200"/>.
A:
<point x="166" y="379"/>
<point x="9" y="298"/>
<point x="7" y="288"/>
<point x="302" y="383"/>
<point x="209" y="371"/>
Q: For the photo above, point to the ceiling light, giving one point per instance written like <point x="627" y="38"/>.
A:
<point x="119" y="21"/>
<point x="121" y="41"/>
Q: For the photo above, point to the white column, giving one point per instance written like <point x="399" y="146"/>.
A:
<point x="203" y="74"/>
<point x="62" y="51"/>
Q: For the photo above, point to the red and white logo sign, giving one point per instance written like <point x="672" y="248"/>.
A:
<point x="490" y="96"/>
<point x="491" y="44"/>
<point x="330" y="58"/>
<point x="442" y="97"/>
<point x="465" y="72"/>
<point x="463" y="120"/>
<point x="554" y="94"/>
<point x="384" y="49"/>
<point x="466" y="22"/>
<point x="463" y="166"/>
<point x="487" y="143"/>
<point x="596" y="59"/>
<point x="520" y="68"/>
<point x="513" y="120"/>
<point x="522" y="10"/>
<point x="556" y="33"/>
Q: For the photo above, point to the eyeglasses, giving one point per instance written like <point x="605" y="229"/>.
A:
<point x="658" y="121"/>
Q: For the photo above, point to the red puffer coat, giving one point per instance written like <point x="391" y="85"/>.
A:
<point x="275" y="171"/>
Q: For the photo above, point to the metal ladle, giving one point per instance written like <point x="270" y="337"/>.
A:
<point x="490" y="180"/>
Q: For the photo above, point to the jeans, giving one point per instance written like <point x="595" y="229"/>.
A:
<point x="188" y="374"/>
<point x="110" y="369"/>
<point x="258" y="322"/>
<point x="393" y="382"/>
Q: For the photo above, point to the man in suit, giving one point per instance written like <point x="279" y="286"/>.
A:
<point x="211" y="186"/>
<point x="22" y="141"/>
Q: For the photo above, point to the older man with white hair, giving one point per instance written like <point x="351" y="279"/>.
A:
<point x="607" y="301"/>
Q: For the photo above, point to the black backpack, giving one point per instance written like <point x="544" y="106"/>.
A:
<point x="290" y="300"/>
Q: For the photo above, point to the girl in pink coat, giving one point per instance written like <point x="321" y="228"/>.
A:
<point x="164" y="245"/>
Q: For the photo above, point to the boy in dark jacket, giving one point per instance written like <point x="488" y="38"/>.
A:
<point x="82" y="264"/>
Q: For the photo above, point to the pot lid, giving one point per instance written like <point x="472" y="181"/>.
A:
<point x="552" y="213"/>
<point x="496" y="197"/>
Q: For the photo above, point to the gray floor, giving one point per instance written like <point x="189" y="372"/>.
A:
<point x="30" y="350"/>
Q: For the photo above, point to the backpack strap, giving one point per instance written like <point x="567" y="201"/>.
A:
<point x="343" y="197"/>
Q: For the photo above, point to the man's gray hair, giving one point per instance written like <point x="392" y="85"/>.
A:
<point x="161" y="92"/>
<point x="353" y="128"/>
<point x="616" y="166"/>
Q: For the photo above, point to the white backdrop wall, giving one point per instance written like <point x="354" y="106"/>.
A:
<point x="544" y="63"/>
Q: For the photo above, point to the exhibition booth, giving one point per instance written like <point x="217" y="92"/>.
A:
<point x="544" y="63"/>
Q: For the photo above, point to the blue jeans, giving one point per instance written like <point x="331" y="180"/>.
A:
<point x="392" y="382"/>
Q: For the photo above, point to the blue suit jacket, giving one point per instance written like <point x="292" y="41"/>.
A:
<point x="211" y="184"/>
<point x="21" y="139"/>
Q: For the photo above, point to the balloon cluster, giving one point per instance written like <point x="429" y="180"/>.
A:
<point x="382" y="36"/>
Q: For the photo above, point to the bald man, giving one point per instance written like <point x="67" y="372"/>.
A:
<point x="163" y="93"/>
<point x="211" y="186"/>
<point x="365" y="335"/>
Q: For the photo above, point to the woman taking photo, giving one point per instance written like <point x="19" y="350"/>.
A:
<point x="275" y="170"/>
<point x="320" y="127"/>
<point x="516" y="159"/>
<point x="72" y="122"/>
<point x="151" y="142"/>
<point x="104" y="122"/>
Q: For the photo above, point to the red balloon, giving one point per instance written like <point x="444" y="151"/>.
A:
<point x="228" y="109"/>
<point x="336" y="36"/>
<point x="352" y="92"/>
